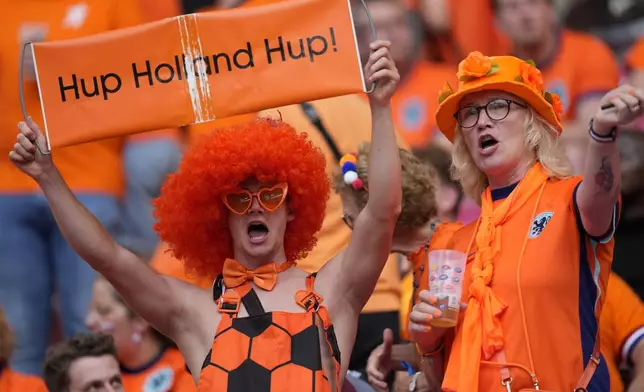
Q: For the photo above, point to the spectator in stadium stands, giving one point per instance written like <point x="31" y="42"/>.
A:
<point x="346" y="120"/>
<point x="36" y="261"/>
<point x="148" y="360"/>
<point x="414" y="104"/>
<point x="630" y="231"/>
<point x="11" y="381"/>
<point x="418" y="216"/>
<point x="85" y="362"/>
<point x="622" y="335"/>
<point x="540" y="253"/>
<point x="578" y="67"/>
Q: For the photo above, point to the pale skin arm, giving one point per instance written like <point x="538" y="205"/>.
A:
<point x="598" y="193"/>
<point x="159" y="300"/>
<point x="353" y="274"/>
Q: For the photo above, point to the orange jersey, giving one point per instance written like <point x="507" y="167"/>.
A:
<point x="553" y="282"/>
<point x="621" y="327"/>
<point x="15" y="382"/>
<point x="165" y="373"/>
<point x="635" y="56"/>
<point x="269" y="351"/>
<point x="92" y="167"/>
<point x="583" y="66"/>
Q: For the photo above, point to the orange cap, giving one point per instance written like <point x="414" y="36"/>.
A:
<point x="507" y="73"/>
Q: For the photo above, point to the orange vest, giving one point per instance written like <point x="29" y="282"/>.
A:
<point x="268" y="351"/>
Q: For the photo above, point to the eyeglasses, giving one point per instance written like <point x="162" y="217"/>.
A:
<point x="496" y="109"/>
<point x="270" y="198"/>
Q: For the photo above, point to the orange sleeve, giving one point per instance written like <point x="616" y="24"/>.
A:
<point x="635" y="56"/>
<point x="599" y="70"/>
<point x="623" y="318"/>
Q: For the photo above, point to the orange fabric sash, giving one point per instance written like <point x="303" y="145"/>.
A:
<point x="264" y="276"/>
<point x="482" y="324"/>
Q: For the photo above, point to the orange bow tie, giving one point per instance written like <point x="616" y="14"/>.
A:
<point x="264" y="276"/>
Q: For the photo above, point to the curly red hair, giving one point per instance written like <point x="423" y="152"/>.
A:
<point x="191" y="216"/>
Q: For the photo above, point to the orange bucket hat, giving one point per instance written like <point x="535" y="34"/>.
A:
<point x="507" y="73"/>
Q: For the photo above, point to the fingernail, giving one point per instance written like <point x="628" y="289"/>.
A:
<point x="437" y="313"/>
<point x="433" y="300"/>
<point x="428" y="318"/>
<point x="428" y="329"/>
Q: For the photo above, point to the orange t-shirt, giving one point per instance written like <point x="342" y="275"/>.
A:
<point x="166" y="373"/>
<point x="416" y="100"/>
<point x="583" y="66"/>
<point x="92" y="167"/>
<point x="11" y="381"/>
<point x="622" y="327"/>
<point x="348" y="121"/>
<point x="635" y="56"/>
<point x="563" y="278"/>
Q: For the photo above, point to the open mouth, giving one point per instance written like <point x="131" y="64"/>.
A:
<point x="487" y="141"/>
<point x="257" y="232"/>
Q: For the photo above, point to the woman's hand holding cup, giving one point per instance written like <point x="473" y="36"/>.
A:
<point x="421" y="319"/>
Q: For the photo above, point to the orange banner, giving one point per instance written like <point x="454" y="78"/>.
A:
<point x="196" y="68"/>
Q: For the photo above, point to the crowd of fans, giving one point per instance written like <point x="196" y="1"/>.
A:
<point x="584" y="48"/>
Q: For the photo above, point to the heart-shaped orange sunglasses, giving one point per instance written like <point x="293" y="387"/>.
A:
<point x="270" y="198"/>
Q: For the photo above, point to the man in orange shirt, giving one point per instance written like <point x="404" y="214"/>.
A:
<point x="576" y="66"/>
<point x="415" y="101"/>
<point x="35" y="258"/>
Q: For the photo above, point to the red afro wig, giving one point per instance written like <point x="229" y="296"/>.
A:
<point x="191" y="216"/>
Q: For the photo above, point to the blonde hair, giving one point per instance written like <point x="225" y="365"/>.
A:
<point x="540" y="137"/>
<point x="419" y="182"/>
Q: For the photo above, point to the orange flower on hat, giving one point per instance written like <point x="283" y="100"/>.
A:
<point x="445" y="92"/>
<point x="476" y="65"/>
<point x="557" y="105"/>
<point x="531" y="76"/>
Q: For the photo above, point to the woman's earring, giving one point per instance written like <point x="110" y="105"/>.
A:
<point x="136" y="337"/>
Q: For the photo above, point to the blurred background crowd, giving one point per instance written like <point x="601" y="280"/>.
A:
<point x="583" y="47"/>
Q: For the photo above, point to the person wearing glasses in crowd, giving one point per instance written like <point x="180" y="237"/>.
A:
<point x="533" y="289"/>
<point x="243" y="207"/>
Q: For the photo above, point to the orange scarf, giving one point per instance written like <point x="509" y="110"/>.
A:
<point x="482" y="324"/>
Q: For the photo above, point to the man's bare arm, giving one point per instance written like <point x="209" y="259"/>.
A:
<point x="150" y="295"/>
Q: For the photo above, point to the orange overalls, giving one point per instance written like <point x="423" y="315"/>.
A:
<point x="268" y="351"/>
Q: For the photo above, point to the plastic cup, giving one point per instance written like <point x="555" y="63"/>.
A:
<point x="446" y="269"/>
